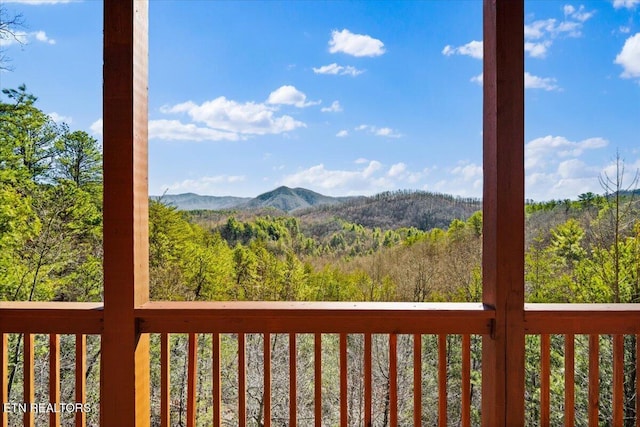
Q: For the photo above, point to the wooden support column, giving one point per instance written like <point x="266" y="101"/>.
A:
<point x="125" y="353"/>
<point x="503" y="212"/>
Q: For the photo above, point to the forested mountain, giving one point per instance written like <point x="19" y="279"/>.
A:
<point x="192" y="201"/>
<point x="282" y="198"/>
<point x="404" y="208"/>
<point x="293" y="199"/>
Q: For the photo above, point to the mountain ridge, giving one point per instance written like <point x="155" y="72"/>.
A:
<point x="283" y="198"/>
<point x="401" y="208"/>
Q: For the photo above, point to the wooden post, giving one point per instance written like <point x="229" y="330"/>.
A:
<point x="503" y="212"/>
<point x="125" y="353"/>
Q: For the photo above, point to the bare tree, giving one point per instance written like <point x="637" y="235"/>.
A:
<point x="619" y="204"/>
<point x="619" y="212"/>
<point x="9" y="33"/>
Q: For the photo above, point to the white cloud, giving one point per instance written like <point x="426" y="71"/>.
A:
<point x="374" y="130"/>
<point x="530" y="82"/>
<point x="472" y="49"/>
<point x="478" y="79"/>
<point x="371" y="168"/>
<point x="541" y="152"/>
<point x="249" y="118"/>
<point x="629" y="4"/>
<point x="174" y="130"/>
<point x="624" y="30"/>
<point x="570" y="177"/>
<point x="572" y="168"/>
<point x="58" y="118"/>
<point x="334" y="108"/>
<point x="538" y="35"/>
<point x="358" y="181"/>
<point x="397" y="169"/>
<point x="465" y="179"/>
<point x="342" y="133"/>
<point x="387" y="132"/>
<point x="21" y="37"/>
<point x="96" y="128"/>
<point x="355" y="44"/>
<point x="336" y="69"/>
<point x="41" y="36"/>
<point x="559" y="183"/>
<point x="629" y="57"/>
<point x="289" y="95"/>
<point x="535" y="82"/>
<point x="204" y="185"/>
<point x="578" y="14"/>
<point x="537" y="50"/>
<point x="367" y="177"/>
<point x="551" y="28"/>
<point x="468" y="171"/>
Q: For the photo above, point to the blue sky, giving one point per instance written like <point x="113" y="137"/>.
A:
<point x="347" y="97"/>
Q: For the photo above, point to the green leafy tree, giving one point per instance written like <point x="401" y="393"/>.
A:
<point x="78" y="158"/>
<point x="566" y="241"/>
<point x="27" y="135"/>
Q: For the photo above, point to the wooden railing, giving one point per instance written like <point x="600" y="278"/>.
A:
<point x="52" y="319"/>
<point x="319" y="319"/>
<point x="367" y="320"/>
<point x="593" y="321"/>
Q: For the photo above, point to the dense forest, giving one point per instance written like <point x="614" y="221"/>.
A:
<point x="583" y="250"/>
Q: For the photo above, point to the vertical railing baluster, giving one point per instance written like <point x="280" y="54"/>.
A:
<point x="165" y="380"/>
<point x="217" y="389"/>
<point x="317" y="378"/>
<point x="4" y="385"/>
<point x="242" y="381"/>
<point x="192" y="369"/>
<point x="466" y="381"/>
<point x="54" y="378"/>
<point x="594" y="379"/>
<point x="343" y="380"/>
<point x="618" y="379"/>
<point x="442" y="380"/>
<point x="367" y="379"/>
<point x="417" y="380"/>
<point x="545" y="378"/>
<point x="569" y="380"/>
<point x="81" y="378"/>
<point x="293" y="378"/>
<point x="393" y="380"/>
<point x="28" y="380"/>
<point x="267" y="380"/>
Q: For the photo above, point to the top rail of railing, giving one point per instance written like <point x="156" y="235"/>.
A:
<point x="325" y="317"/>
